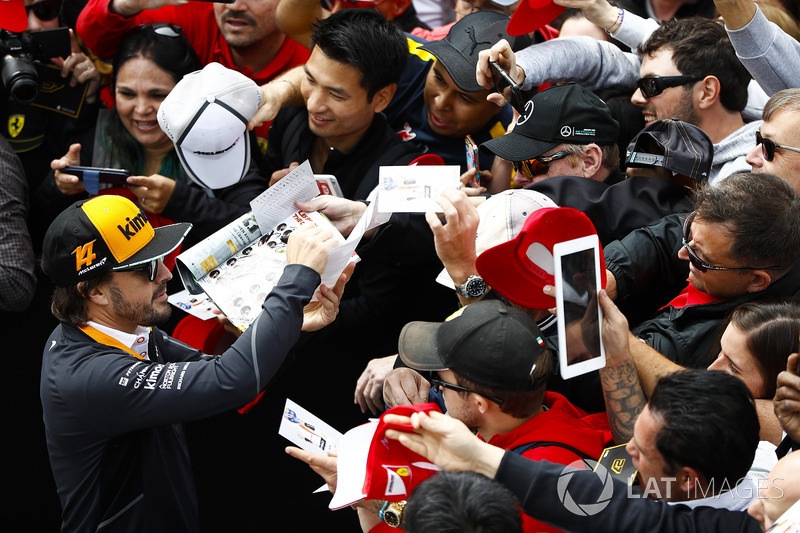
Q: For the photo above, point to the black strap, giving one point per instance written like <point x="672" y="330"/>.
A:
<point x="522" y="448"/>
<point x="786" y="445"/>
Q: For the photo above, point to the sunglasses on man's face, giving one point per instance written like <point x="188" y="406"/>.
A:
<point x="438" y="384"/>
<point x="701" y="265"/>
<point x="654" y="85"/>
<point x="150" y="268"/>
<point x="768" y="146"/>
<point x="530" y="168"/>
<point x="45" y="10"/>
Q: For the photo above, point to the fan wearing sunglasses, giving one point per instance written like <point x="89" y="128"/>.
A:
<point x="540" y="146"/>
<point x="778" y="139"/>
<point x="690" y="71"/>
<point x="490" y="367"/>
<point x="686" y="69"/>
<point x="741" y="244"/>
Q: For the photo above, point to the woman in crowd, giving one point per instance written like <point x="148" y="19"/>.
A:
<point x="147" y="65"/>
<point x="756" y="340"/>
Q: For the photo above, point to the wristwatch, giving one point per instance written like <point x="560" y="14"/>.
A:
<point x="473" y="288"/>
<point x="392" y="513"/>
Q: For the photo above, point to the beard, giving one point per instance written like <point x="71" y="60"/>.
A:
<point x="152" y="314"/>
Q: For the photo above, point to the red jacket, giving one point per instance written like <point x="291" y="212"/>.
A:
<point x="102" y="32"/>
<point x="564" y="423"/>
<point x="561" y="422"/>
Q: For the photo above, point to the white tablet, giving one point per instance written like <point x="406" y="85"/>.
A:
<point x="580" y="321"/>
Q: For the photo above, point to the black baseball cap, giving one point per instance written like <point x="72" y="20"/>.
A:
<point x="104" y="233"/>
<point x="489" y="342"/>
<point x="678" y="146"/>
<point x="559" y="114"/>
<point x="458" y="52"/>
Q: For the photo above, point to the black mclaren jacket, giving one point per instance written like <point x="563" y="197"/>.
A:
<point x="649" y="274"/>
<point x="113" y="422"/>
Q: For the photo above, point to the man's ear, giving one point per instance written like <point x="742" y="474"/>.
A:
<point x="706" y="92"/>
<point x="97" y="295"/>
<point x="383" y="97"/>
<point x="690" y="481"/>
<point x="481" y="403"/>
<point x="591" y="162"/>
<point x="760" y="280"/>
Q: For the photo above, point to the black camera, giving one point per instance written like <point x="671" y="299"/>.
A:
<point x="19" y="53"/>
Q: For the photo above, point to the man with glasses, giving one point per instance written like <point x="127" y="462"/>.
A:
<point x="115" y="389"/>
<point x="742" y="243"/>
<point x="490" y="364"/>
<point x="777" y="148"/>
<point x="686" y="69"/>
<point x="565" y="130"/>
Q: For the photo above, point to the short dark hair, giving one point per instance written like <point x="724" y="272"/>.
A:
<point x="763" y="214"/>
<point x="701" y="47"/>
<point x="709" y="424"/>
<point x="69" y="303"/>
<point x="771" y="328"/>
<point x="365" y="40"/>
<point x="519" y="404"/>
<point x="467" y="502"/>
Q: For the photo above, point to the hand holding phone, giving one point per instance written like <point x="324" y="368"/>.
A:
<point x="92" y="177"/>
<point x="505" y="85"/>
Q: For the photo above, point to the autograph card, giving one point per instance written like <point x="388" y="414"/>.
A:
<point x="195" y="304"/>
<point x="306" y="431"/>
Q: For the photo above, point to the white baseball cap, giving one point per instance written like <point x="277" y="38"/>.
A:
<point x="501" y="219"/>
<point x="205" y="115"/>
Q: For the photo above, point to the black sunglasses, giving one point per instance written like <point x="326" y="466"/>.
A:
<point x="654" y="85"/>
<point x="150" y="268"/>
<point x="439" y="384"/>
<point x="701" y="265"/>
<point x="45" y="10"/>
<point x="768" y="147"/>
<point x="537" y="166"/>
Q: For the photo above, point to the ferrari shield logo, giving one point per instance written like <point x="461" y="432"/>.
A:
<point x="15" y="124"/>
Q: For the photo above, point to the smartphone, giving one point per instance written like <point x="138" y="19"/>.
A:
<point x="113" y="176"/>
<point x="506" y="86"/>
<point x="578" y="314"/>
<point x="472" y="160"/>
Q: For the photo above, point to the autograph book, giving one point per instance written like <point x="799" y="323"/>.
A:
<point x="237" y="266"/>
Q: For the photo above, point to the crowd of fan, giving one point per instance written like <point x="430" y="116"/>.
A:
<point x="669" y="128"/>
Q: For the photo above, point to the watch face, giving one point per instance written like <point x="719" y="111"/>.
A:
<point x="475" y="288"/>
<point x="392" y="518"/>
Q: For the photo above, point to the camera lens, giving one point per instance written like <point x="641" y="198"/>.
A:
<point x="20" y="78"/>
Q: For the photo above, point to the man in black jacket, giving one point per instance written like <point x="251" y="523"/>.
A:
<point x="741" y="244"/>
<point x="115" y="389"/>
<point x="582" y="500"/>
<point x="356" y="60"/>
